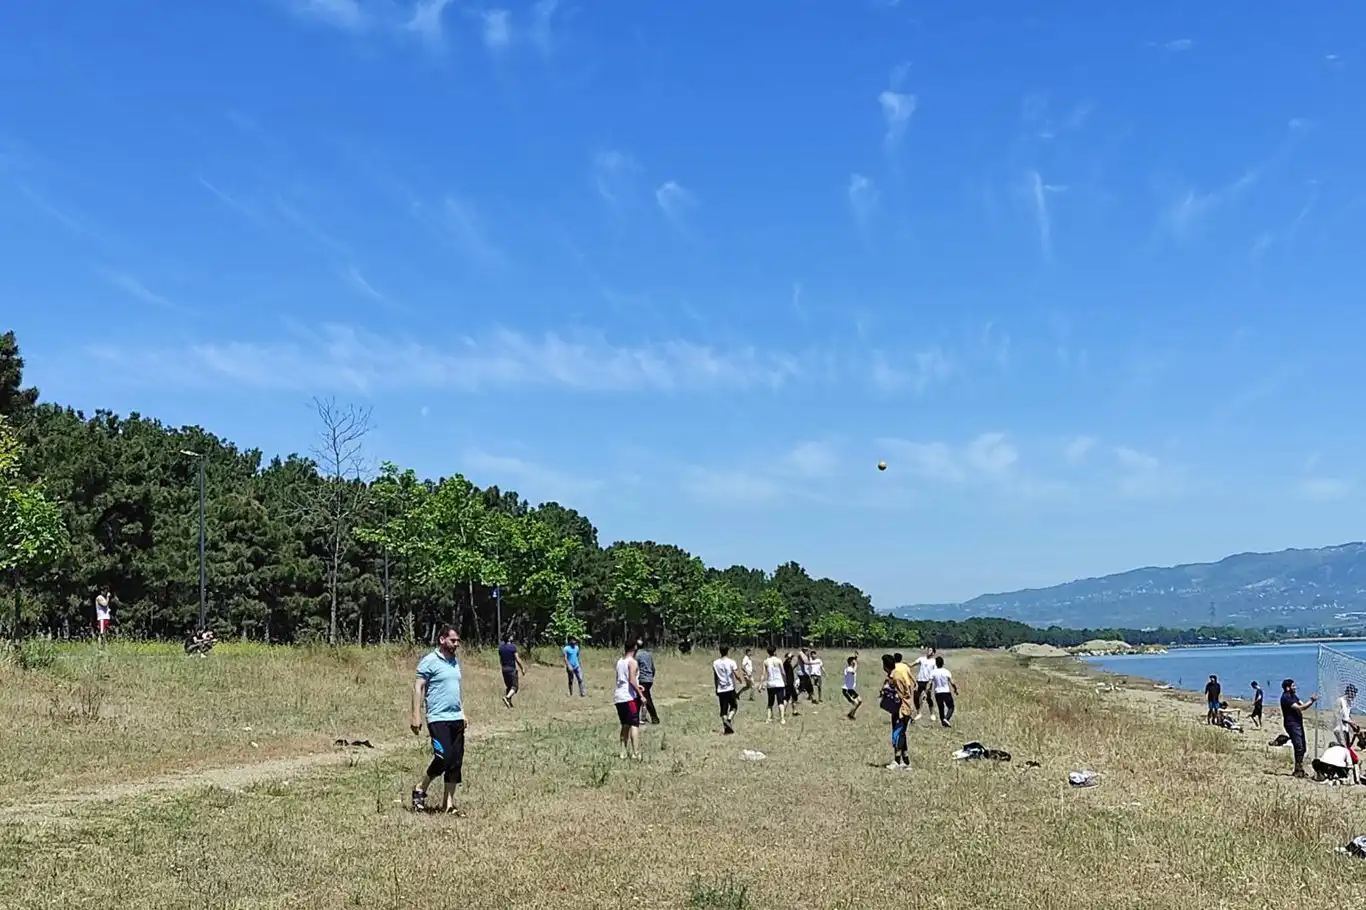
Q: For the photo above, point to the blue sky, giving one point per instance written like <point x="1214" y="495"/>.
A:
<point x="1087" y="277"/>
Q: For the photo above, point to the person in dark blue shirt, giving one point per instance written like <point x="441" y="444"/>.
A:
<point x="510" y="659"/>
<point x="1292" y="716"/>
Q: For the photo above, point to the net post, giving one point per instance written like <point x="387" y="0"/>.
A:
<point x="1318" y="690"/>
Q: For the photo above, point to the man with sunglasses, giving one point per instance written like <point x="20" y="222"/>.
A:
<point x="437" y="697"/>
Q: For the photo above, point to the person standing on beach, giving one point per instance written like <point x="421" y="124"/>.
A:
<point x="645" y="663"/>
<point x="1344" y="731"/>
<point x="1212" y="693"/>
<point x="1256" y="715"/>
<point x="1292" y="716"/>
<point x="626" y="697"/>
<point x="510" y="660"/>
<point x="572" y="669"/>
<point x="437" y="698"/>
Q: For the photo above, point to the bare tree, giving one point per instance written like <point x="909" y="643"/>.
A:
<point x="339" y="454"/>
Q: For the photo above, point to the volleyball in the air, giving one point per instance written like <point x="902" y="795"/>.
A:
<point x="882" y="465"/>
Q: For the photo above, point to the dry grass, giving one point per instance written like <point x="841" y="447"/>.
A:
<point x="1184" y="817"/>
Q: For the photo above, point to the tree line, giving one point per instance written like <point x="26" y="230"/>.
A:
<point x="315" y="547"/>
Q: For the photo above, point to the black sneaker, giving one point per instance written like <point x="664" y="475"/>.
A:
<point x="419" y="801"/>
<point x="728" y="729"/>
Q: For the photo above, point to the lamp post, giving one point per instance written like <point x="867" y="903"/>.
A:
<point x="203" y="600"/>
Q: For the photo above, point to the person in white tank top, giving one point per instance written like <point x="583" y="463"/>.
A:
<point x="626" y="696"/>
<point x="775" y="685"/>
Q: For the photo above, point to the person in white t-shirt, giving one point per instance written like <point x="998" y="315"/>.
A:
<point x="776" y="685"/>
<point x="725" y="670"/>
<point x="747" y="674"/>
<point x="851" y="685"/>
<point x="924" y="666"/>
<point x="815" y="667"/>
<point x="104" y="613"/>
<point x="1345" y="730"/>
<point x="941" y="681"/>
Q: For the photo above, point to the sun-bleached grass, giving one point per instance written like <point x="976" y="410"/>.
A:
<point x="1184" y="817"/>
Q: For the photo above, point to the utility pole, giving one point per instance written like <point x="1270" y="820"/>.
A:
<point x="203" y="573"/>
<point x="384" y="639"/>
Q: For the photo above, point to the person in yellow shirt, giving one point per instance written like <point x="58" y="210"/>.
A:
<point x="898" y="700"/>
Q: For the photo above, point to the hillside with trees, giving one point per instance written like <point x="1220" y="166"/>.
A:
<point x="311" y="547"/>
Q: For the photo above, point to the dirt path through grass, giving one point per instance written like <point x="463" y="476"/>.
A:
<point x="56" y="807"/>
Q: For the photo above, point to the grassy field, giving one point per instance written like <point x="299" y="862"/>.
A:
<point x="110" y="796"/>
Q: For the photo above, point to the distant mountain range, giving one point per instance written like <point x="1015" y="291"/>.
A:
<point x="1292" y="588"/>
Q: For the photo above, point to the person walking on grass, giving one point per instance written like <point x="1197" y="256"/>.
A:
<point x="747" y="674"/>
<point x="437" y="698"/>
<point x="104" y="614"/>
<point x="645" y="661"/>
<point x="775" y="685"/>
<point x="510" y="661"/>
<point x="626" y="697"/>
<point x="1292" y="717"/>
<point x="1212" y="692"/>
<point x="924" y="666"/>
<point x="790" y="681"/>
<point x="851" y="686"/>
<point x="898" y="699"/>
<point x="723" y="670"/>
<point x="572" y="669"/>
<point x="1256" y="715"/>
<point x="816" y="669"/>
<point x="941" y="681"/>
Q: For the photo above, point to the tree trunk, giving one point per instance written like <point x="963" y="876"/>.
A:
<point x="332" y="591"/>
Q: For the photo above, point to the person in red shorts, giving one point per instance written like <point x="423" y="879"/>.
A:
<point x="626" y="696"/>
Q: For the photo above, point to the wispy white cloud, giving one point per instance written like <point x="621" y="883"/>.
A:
<point x="338" y="357"/>
<point x="924" y="369"/>
<point x="863" y="198"/>
<point x="1078" y="448"/>
<point x="801" y="473"/>
<point x="1038" y="197"/>
<point x="542" y="25"/>
<point x="530" y="478"/>
<point x="614" y="176"/>
<point x="987" y="457"/>
<point x="1326" y="489"/>
<point x="1191" y="208"/>
<point x="426" y="20"/>
<point x="465" y="228"/>
<point x="675" y="201"/>
<point x="897" y="108"/>
<point x="134" y="288"/>
<point x="497" y="29"/>
<point x="346" y="14"/>
<point x="1178" y="45"/>
<point x="1142" y="475"/>
<point x="353" y="277"/>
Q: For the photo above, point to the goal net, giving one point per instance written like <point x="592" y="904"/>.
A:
<point x="1339" y="676"/>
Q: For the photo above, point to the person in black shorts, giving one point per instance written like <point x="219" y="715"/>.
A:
<point x="510" y="659"/>
<point x="1257" y="698"/>
<point x="850" y="689"/>
<point x="790" y="680"/>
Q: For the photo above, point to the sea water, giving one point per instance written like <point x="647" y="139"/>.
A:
<point x="1236" y="667"/>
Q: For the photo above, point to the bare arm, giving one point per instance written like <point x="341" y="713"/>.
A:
<point x="419" y="701"/>
<point x="521" y="667"/>
<point x="633" y="677"/>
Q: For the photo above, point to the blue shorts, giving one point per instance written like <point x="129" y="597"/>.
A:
<point x="1214" y="706"/>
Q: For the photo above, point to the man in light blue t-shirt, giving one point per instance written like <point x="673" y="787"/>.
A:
<point x="437" y="697"/>
<point x="571" y="665"/>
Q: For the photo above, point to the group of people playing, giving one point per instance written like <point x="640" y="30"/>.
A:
<point x="1339" y="761"/>
<point x="437" y="701"/>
